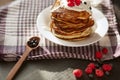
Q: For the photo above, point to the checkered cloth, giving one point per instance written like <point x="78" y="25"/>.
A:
<point x="18" y="23"/>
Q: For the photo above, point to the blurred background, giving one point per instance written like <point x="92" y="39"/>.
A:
<point x="56" y="64"/>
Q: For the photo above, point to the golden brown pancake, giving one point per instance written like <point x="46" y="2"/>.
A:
<point x="72" y="34"/>
<point x="62" y="24"/>
<point x="70" y="15"/>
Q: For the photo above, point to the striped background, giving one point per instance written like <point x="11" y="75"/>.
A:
<point x="18" y="23"/>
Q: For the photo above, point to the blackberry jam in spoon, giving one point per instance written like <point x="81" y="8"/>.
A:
<point x="31" y="44"/>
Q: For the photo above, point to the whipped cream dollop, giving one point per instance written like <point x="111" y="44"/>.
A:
<point x="84" y="6"/>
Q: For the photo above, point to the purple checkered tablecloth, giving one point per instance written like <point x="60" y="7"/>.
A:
<point x="18" y="24"/>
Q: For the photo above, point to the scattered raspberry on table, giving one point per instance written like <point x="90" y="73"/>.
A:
<point x="99" y="73"/>
<point x="77" y="73"/>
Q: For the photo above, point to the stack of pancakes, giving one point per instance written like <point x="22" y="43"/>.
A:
<point x="71" y="25"/>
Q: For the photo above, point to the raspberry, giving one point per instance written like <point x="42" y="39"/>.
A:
<point x="88" y="70"/>
<point x="92" y="65"/>
<point x="99" y="72"/>
<point x="98" y="55"/>
<point x="77" y="73"/>
<point x="77" y="2"/>
<point x="105" y="50"/>
<point x="71" y="4"/>
<point x="107" y="67"/>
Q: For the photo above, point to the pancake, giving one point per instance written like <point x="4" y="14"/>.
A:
<point x="62" y="24"/>
<point x="70" y="15"/>
<point x="73" y="34"/>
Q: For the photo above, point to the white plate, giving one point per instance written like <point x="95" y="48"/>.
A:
<point x="100" y="29"/>
<point x="95" y="3"/>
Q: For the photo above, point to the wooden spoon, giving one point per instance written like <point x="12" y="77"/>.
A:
<point x="31" y="44"/>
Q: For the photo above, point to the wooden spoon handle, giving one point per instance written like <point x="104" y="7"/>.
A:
<point x="18" y="64"/>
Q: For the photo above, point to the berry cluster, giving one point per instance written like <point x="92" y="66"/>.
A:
<point x="98" y="69"/>
<point x="72" y="3"/>
<point x="93" y="69"/>
<point x="99" y="54"/>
